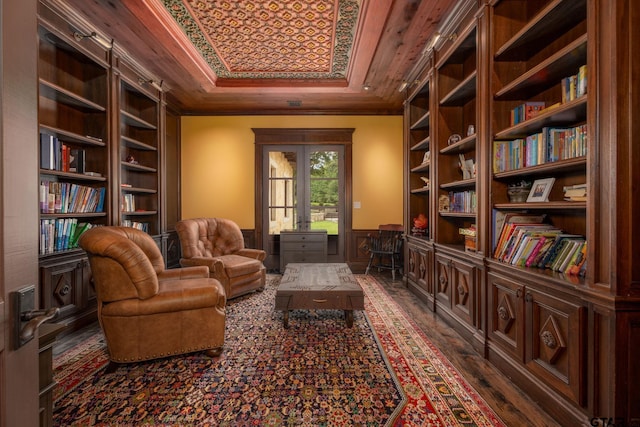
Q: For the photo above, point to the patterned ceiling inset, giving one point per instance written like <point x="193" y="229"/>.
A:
<point x="258" y="39"/>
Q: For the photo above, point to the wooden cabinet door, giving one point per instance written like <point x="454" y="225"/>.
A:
<point x="505" y="315"/>
<point x="463" y="291"/>
<point x="61" y="285"/>
<point x="420" y="271"/>
<point x="443" y="279"/>
<point x="555" y="342"/>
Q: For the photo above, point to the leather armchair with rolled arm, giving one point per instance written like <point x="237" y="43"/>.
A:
<point x="145" y="311"/>
<point x="218" y="244"/>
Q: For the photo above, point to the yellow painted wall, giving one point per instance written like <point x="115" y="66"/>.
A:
<point x="218" y="165"/>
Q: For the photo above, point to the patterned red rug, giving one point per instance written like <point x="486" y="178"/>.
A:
<point x="318" y="372"/>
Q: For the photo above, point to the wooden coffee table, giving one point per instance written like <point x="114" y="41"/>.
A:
<point x="306" y="286"/>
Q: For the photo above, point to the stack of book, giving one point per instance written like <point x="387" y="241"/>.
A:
<point x="526" y="240"/>
<point x="575" y="193"/>
<point x="61" y="234"/>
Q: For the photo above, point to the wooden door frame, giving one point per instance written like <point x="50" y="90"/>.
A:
<point x="304" y="136"/>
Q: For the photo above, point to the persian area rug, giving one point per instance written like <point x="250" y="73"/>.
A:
<point x="318" y="372"/>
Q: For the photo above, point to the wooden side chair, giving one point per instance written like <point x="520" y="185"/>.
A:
<point x="385" y="249"/>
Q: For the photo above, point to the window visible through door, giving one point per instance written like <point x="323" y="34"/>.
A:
<point x="303" y="187"/>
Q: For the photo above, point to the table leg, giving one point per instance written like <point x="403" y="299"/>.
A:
<point x="285" y="318"/>
<point x="348" y="315"/>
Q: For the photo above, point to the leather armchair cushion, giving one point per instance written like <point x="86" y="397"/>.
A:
<point x="174" y="295"/>
<point x="236" y="265"/>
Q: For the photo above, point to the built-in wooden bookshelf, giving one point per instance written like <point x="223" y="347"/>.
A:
<point x="139" y="150"/>
<point x="101" y="138"/>
<point x="456" y="77"/>
<point x="542" y="84"/>
<point x="74" y="147"/>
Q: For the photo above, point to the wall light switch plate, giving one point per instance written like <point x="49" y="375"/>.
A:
<point x="356" y="205"/>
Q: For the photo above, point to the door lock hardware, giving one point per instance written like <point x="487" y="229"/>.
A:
<point x="27" y="319"/>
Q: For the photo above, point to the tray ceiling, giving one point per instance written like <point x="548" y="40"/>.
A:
<point x="270" y="56"/>
<point x="253" y="39"/>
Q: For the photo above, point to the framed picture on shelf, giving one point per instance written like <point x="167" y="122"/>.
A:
<point x="540" y="190"/>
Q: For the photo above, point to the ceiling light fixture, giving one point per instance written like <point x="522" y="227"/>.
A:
<point x="105" y="43"/>
<point x="366" y="87"/>
<point x="153" y="83"/>
<point x="403" y="86"/>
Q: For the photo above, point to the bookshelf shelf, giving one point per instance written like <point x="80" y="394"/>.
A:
<point x="73" y="215"/>
<point x="565" y="114"/>
<point x="138" y="168"/>
<point x="424" y="167"/>
<point x="72" y="175"/>
<point x="139" y="190"/>
<point x="63" y="96"/>
<point x="132" y="143"/>
<point x="561" y="64"/>
<point x="466" y="144"/>
<point x="139" y="213"/>
<point x="422" y="122"/>
<point x="552" y="20"/>
<point x="462" y="93"/>
<point x="420" y="191"/>
<point x="421" y="145"/>
<point x="457" y="215"/>
<point x="463" y="183"/>
<point x="72" y="137"/>
<point x="552" y="205"/>
<point x="566" y="165"/>
<point x="135" y="121"/>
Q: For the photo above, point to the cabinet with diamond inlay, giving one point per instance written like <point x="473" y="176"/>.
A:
<point x="457" y="291"/>
<point x="64" y="283"/>
<point x="544" y="331"/>
<point x="420" y="270"/>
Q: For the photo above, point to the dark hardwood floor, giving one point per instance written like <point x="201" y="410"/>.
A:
<point x="513" y="406"/>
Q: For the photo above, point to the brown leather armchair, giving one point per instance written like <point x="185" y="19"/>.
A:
<point x="218" y="244"/>
<point x="145" y="311"/>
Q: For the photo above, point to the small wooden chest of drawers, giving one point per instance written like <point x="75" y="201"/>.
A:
<point x="302" y="246"/>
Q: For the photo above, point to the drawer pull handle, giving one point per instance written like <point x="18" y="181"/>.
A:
<point x="319" y="300"/>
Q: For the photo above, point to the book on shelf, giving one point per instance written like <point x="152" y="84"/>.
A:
<point x="575" y="193"/>
<point x="525" y="240"/>
<point x="526" y="111"/>
<point x="60" y="234"/>
<point x="501" y="220"/>
<point x="462" y="201"/>
<point x="574" y="86"/>
<point x="551" y="144"/>
<point x="144" y="226"/>
<point x="77" y="159"/>
<point x="66" y="197"/>
<point x="47" y="151"/>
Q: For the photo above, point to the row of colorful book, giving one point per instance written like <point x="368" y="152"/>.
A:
<point x="144" y="226"/>
<point x="549" y="145"/>
<point x="66" y="197"/>
<point x="461" y="201"/>
<point x="56" y="155"/>
<point x="526" y="111"/>
<point x="575" y="86"/>
<point x="61" y="234"/>
<point x="526" y="240"/>
<point x="128" y="202"/>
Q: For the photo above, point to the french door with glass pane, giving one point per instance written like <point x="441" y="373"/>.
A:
<point x="303" y="191"/>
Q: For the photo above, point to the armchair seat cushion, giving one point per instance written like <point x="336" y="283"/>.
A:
<point x="238" y="266"/>
<point x="218" y="244"/>
<point x="174" y="295"/>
